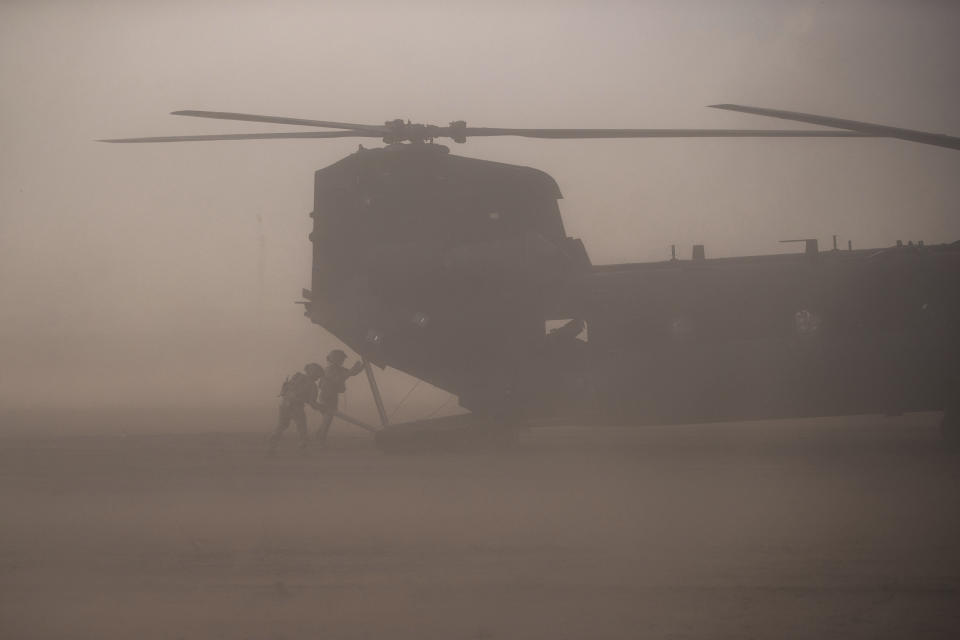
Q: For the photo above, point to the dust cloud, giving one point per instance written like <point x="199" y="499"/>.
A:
<point x="148" y="318"/>
<point x="166" y="275"/>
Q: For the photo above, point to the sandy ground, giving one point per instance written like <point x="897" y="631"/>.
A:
<point x="813" y="529"/>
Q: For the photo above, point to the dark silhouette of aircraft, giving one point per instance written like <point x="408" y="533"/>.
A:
<point x="459" y="271"/>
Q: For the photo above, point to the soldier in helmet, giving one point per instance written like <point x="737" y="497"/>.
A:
<point x="298" y="390"/>
<point x="334" y="383"/>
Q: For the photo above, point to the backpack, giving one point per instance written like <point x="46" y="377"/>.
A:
<point x="292" y="384"/>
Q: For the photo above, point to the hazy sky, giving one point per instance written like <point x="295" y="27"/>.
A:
<point x="166" y="274"/>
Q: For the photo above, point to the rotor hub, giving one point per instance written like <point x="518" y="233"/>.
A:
<point x="405" y="131"/>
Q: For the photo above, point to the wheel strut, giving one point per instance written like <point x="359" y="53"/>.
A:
<point x="375" y="390"/>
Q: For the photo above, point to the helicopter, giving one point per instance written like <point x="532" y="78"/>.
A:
<point x="459" y="272"/>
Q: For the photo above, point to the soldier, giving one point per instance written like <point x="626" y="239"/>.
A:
<point x="298" y="390"/>
<point x="334" y="383"/>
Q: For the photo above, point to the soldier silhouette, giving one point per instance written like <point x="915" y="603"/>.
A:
<point x="298" y="390"/>
<point x="334" y="383"/>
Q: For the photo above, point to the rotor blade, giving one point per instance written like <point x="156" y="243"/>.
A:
<point x="249" y="117"/>
<point x="658" y="133"/>
<point x="252" y="136"/>
<point x="868" y="128"/>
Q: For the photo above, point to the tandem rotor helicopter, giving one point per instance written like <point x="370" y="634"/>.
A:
<point x="454" y="270"/>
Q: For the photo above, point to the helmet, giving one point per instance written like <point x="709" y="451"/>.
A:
<point x="313" y="370"/>
<point x="336" y="356"/>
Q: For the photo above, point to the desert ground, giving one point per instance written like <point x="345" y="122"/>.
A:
<point x="166" y="524"/>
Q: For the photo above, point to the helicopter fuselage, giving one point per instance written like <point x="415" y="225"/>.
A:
<point x="459" y="271"/>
